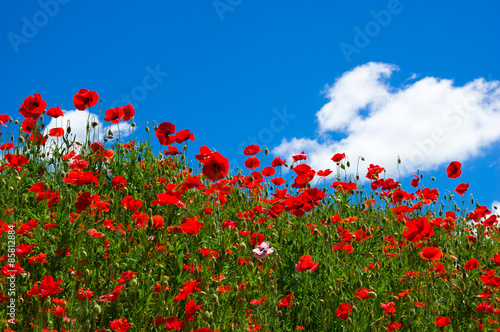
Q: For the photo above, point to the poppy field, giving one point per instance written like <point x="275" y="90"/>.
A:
<point x="105" y="235"/>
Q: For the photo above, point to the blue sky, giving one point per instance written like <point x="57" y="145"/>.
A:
<point x="376" y="78"/>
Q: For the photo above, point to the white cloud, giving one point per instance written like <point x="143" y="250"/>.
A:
<point x="427" y="122"/>
<point x="78" y="120"/>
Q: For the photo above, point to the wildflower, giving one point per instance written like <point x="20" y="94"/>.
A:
<point x="251" y="150"/>
<point x="306" y="263"/>
<point x="442" y="321"/>
<point x="453" y="170"/>
<point x="344" y="311"/>
<point x="430" y="254"/>
<point x="262" y="250"/>
<point x="85" y="98"/>
<point x="338" y="157"/>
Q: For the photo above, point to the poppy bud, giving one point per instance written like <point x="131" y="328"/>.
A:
<point x="133" y="282"/>
<point x="348" y="163"/>
<point x="242" y="246"/>
<point x="96" y="309"/>
<point x="372" y="295"/>
<point x="20" y="139"/>
<point x="307" y="322"/>
<point x="259" y="281"/>
<point x="362" y="158"/>
<point x="206" y="316"/>
<point x="132" y="125"/>
<point x="279" y="313"/>
<point x="266" y="151"/>
<point x="10" y="121"/>
<point x="87" y="271"/>
<point x="433" y="178"/>
<point x="84" y="253"/>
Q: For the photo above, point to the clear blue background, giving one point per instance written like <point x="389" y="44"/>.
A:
<point x="228" y="71"/>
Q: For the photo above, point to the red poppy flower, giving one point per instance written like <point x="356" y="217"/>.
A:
<point x="299" y="156"/>
<point x="430" y="254"/>
<point x="251" y="150"/>
<point x="261" y="301"/>
<point x="286" y="301"/>
<point x="362" y="294"/>
<point x="209" y="253"/>
<point x="453" y="170"/>
<point x="95" y="233"/>
<point x="4" y="118"/>
<point x="28" y="125"/>
<point x="418" y="229"/>
<point x="184" y="135"/>
<point x="471" y="264"/>
<point x="126" y="276"/>
<point x="7" y="146"/>
<point x="9" y="270"/>
<point x="252" y="162"/>
<point x="191" y="225"/>
<point x="172" y="151"/>
<point x="84" y="295"/>
<point x="462" y="188"/>
<point x="48" y="287"/>
<point x="278" y="181"/>
<point x="131" y="204"/>
<point x="128" y="112"/>
<point x="85" y="98"/>
<point x="442" y="321"/>
<point x="374" y="171"/>
<point x="23" y="249"/>
<point x="118" y="182"/>
<point x="114" y="115"/>
<point x="344" y="311"/>
<point x="414" y="182"/>
<point x="306" y="263"/>
<point x="33" y="106"/>
<point x="338" y="157"/>
<point x="216" y="167"/>
<point x="164" y="133"/>
<point x="191" y="308"/>
<point x="278" y="162"/>
<point x="55" y="112"/>
<point x="56" y="132"/>
<point x="120" y="325"/>
<point x="256" y="239"/>
<point x="324" y="173"/>
<point x="16" y="161"/>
